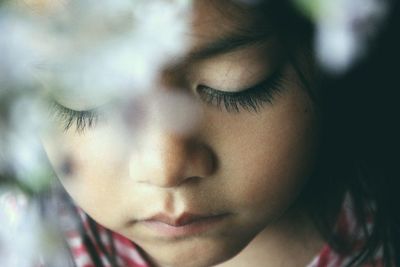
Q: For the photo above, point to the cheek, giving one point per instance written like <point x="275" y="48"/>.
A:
<point x="270" y="155"/>
<point x="95" y="166"/>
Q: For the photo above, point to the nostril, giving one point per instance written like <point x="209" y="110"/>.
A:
<point x="175" y="183"/>
<point x="203" y="161"/>
<point x="193" y="180"/>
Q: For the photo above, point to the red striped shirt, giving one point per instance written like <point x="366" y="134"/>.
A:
<point x="124" y="251"/>
<point x="346" y="226"/>
<point x="127" y="254"/>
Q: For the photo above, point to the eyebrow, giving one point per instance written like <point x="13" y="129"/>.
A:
<point x="226" y="44"/>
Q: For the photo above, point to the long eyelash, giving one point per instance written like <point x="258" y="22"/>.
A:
<point x="250" y="99"/>
<point x="81" y="119"/>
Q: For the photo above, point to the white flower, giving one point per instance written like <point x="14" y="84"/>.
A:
<point x="25" y="232"/>
<point x="81" y="49"/>
<point x="345" y="29"/>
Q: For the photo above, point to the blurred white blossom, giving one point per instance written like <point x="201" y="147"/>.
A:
<point x="345" y="29"/>
<point x="79" y="49"/>
<point x="26" y="240"/>
<point x="174" y="112"/>
<point x="25" y="152"/>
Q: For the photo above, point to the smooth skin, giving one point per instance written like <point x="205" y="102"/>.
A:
<point x="250" y="165"/>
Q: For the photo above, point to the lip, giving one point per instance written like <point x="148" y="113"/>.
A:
<point x="183" y="225"/>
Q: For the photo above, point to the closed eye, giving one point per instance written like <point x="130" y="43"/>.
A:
<point x="249" y="99"/>
<point x="81" y="119"/>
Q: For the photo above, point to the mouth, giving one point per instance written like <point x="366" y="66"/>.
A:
<point x="183" y="225"/>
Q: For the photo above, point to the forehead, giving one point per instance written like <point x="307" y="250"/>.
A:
<point x="216" y="19"/>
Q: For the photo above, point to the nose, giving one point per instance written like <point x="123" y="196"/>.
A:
<point x="170" y="160"/>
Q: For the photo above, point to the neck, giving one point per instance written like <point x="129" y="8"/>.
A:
<point x="291" y="241"/>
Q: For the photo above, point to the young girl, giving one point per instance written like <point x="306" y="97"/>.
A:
<point x="260" y="160"/>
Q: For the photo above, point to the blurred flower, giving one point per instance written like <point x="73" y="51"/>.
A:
<point x="25" y="232"/>
<point x="25" y="152"/>
<point x="77" y="50"/>
<point x="174" y="112"/>
<point x="345" y="29"/>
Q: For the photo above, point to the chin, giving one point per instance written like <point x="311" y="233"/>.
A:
<point x="198" y="253"/>
<point x="196" y="260"/>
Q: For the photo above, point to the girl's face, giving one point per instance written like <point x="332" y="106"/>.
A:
<point x="212" y="189"/>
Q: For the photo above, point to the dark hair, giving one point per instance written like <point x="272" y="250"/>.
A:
<point x="358" y="152"/>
